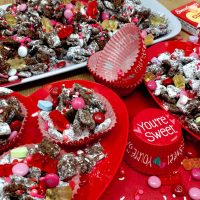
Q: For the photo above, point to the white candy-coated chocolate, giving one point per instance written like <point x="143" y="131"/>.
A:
<point x="182" y="101"/>
<point x="22" y="51"/>
<point x="12" y="72"/>
<point x="13" y="78"/>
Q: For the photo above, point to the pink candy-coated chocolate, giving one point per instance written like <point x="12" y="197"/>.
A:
<point x="52" y="180"/>
<point x="69" y="6"/>
<point x="143" y="33"/>
<point x="20" y="169"/>
<point x="22" y="7"/>
<point x="154" y="182"/>
<point x="196" y="173"/>
<point x="13" y="135"/>
<point x="68" y="14"/>
<point x="151" y="85"/>
<point x="78" y="103"/>
<point x="53" y="22"/>
<point x="135" y="20"/>
<point x="194" y="193"/>
<point x="104" y="16"/>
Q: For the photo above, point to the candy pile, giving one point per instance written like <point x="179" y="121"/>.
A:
<point x="12" y="114"/>
<point x="43" y="171"/>
<point x="73" y="115"/>
<point x="37" y="36"/>
<point x="175" y="79"/>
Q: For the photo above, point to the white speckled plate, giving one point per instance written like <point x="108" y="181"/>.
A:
<point x="174" y="23"/>
<point x="174" y="26"/>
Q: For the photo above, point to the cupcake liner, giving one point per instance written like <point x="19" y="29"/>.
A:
<point x="134" y="77"/>
<point x="120" y="53"/>
<point x="87" y="139"/>
<point x="15" y="139"/>
<point x="124" y="87"/>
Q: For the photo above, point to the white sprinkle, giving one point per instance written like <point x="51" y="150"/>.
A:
<point x="122" y="198"/>
<point x="173" y="195"/>
<point x="164" y="197"/>
<point x="34" y="114"/>
<point x="121" y="179"/>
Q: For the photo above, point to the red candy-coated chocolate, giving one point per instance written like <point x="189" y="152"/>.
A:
<point x="15" y="125"/>
<point x="98" y="117"/>
<point x="61" y="64"/>
<point x="167" y="81"/>
<point x="92" y="10"/>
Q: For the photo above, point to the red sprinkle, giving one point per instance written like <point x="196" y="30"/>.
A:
<point x="72" y="184"/>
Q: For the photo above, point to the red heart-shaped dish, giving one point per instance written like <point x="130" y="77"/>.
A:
<point x="172" y="79"/>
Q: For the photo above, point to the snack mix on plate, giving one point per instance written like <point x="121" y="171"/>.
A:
<point x="38" y="36"/>
<point x="12" y="115"/>
<point x="78" y="113"/>
<point x="43" y="171"/>
<point x="175" y="79"/>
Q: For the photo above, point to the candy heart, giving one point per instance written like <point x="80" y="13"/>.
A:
<point x="45" y="105"/>
<point x="65" y="31"/>
<point x="59" y="121"/>
<point x="19" y="152"/>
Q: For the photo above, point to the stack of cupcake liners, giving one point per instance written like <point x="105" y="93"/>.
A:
<point x="122" y="63"/>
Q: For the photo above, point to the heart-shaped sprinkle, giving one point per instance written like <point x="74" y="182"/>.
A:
<point x="45" y="105"/>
